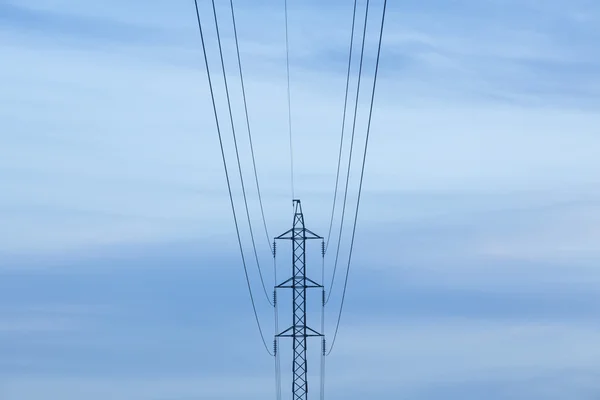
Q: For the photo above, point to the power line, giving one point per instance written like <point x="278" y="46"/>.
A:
<point x="237" y="47"/>
<point x="337" y="177"/>
<point x="212" y="95"/>
<point x="276" y="340"/>
<point x="289" y="96"/>
<point x="362" y="174"/>
<point x="362" y="53"/>
<point x="323" y="348"/>
<point x="237" y="154"/>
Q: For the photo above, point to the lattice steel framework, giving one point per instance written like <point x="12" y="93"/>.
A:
<point x="299" y="282"/>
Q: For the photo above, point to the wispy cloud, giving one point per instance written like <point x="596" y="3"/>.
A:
<point x="474" y="264"/>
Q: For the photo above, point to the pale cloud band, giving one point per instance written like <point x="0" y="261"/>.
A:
<point x="482" y="174"/>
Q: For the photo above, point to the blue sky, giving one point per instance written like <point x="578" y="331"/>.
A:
<point x="476" y="261"/>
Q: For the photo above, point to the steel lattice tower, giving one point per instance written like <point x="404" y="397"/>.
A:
<point x="299" y="282"/>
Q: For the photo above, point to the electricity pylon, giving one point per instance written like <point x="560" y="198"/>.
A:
<point x="299" y="282"/>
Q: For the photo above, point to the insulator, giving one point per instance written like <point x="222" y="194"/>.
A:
<point x="324" y="347"/>
<point x="274" y="297"/>
<point x="323" y="248"/>
<point x="323" y="295"/>
<point x="274" y="346"/>
<point x="274" y="248"/>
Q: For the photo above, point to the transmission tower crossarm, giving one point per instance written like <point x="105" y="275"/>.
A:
<point x="307" y="234"/>
<point x="290" y="284"/>
<point x="310" y="332"/>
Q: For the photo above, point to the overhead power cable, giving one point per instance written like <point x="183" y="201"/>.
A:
<point x="237" y="153"/>
<point x="227" y="176"/>
<point x="289" y="96"/>
<point x="337" y="176"/>
<point x="237" y="47"/>
<point x="276" y="340"/>
<point x="362" y="174"/>
<point x="323" y="343"/>
<point x="360" y="68"/>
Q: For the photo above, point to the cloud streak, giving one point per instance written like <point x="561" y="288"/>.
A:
<point x="475" y="261"/>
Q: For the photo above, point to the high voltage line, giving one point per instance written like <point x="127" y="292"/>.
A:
<point x="237" y="153"/>
<point x="339" y="163"/>
<point x="339" y="241"/>
<point x="289" y="94"/>
<point x="239" y="59"/>
<point x="298" y="234"/>
<point x="362" y="172"/>
<point x="237" y="229"/>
